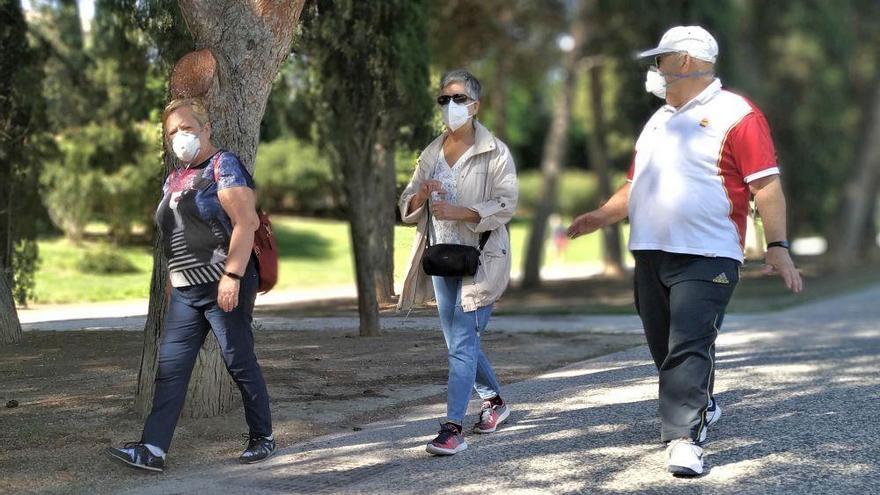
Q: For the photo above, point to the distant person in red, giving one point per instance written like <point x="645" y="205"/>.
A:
<point x="559" y="234"/>
<point x="697" y="161"/>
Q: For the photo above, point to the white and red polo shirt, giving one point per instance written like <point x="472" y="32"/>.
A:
<point x="690" y="175"/>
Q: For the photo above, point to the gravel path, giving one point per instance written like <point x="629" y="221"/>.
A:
<point x="797" y="388"/>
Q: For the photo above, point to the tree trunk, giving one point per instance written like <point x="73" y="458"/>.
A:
<point x="552" y="162"/>
<point x="368" y="81"/>
<point x="152" y="330"/>
<point x="362" y="184"/>
<point x="860" y="194"/>
<point x="612" y="253"/>
<point x="249" y="40"/>
<point x="20" y="118"/>
<point x="361" y="226"/>
<point x="243" y="44"/>
<point x="383" y="236"/>
<point x="10" y="328"/>
<point x="70" y="27"/>
<point x="498" y="98"/>
<point x="498" y="93"/>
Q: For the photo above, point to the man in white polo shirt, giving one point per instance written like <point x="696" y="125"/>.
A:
<point x="697" y="161"/>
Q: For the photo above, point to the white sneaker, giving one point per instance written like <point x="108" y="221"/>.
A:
<point x="713" y="414"/>
<point x="684" y="457"/>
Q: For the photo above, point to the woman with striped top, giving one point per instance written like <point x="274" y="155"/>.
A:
<point x="207" y="220"/>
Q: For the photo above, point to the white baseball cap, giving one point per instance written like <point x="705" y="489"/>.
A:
<point x="693" y="40"/>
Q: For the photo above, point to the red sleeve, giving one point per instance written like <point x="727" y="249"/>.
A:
<point x="751" y="146"/>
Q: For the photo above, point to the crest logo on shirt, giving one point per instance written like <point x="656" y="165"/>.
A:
<point x="704" y="123"/>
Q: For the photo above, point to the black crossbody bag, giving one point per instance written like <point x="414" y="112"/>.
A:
<point x="451" y="260"/>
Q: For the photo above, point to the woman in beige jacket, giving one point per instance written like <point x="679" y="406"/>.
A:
<point x="470" y="179"/>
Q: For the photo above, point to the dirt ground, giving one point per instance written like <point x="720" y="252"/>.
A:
<point x="75" y="391"/>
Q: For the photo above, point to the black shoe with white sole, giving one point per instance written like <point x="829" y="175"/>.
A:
<point x="258" y="449"/>
<point x="713" y="414"/>
<point x="136" y="455"/>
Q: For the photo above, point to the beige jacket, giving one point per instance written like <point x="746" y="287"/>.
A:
<point x="493" y="196"/>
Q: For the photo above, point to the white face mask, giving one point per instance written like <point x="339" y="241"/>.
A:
<point x="456" y="115"/>
<point x="655" y="83"/>
<point x="186" y="146"/>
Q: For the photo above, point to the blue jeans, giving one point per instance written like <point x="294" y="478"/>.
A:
<point x="468" y="366"/>
<point x="193" y="311"/>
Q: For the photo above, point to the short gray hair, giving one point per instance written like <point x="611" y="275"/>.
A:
<point x="471" y="84"/>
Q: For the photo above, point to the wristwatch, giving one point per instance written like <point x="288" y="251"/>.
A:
<point x="782" y="244"/>
<point x="233" y="276"/>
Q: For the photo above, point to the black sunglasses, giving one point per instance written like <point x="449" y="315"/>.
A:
<point x="458" y="98"/>
<point x="659" y="58"/>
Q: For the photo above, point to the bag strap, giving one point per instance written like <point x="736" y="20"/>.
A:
<point x="430" y="230"/>
<point x="484" y="237"/>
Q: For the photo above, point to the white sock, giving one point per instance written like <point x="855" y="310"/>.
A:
<point x="155" y="450"/>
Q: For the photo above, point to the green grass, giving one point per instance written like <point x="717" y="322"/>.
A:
<point x="58" y="280"/>
<point x="314" y="254"/>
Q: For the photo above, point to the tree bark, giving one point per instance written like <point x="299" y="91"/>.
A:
<point x="383" y="236"/>
<point x="362" y="185"/>
<point x="242" y="45"/>
<point x="361" y="179"/>
<point x="498" y="97"/>
<point x="363" y="250"/>
<point x="10" y="328"/>
<point x="552" y="162"/>
<point x="852" y="238"/>
<point x="612" y="253"/>
<point x="249" y="40"/>
<point x="18" y="120"/>
<point x="70" y="27"/>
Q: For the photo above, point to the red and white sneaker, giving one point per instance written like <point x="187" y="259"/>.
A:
<point x="491" y="416"/>
<point x="449" y="441"/>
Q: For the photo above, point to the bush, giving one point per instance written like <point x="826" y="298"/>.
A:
<point x="578" y="192"/>
<point x="405" y="163"/>
<point x="104" y="173"/>
<point x="293" y="177"/>
<point x="25" y="261"/>
<point x="71" y="182"/>
<point x="128" y="195"/>
<point x="105" y="262"/>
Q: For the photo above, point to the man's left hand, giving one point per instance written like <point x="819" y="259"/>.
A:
<point x="778" y="262"/>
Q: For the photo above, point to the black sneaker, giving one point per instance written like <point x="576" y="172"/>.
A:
<point x="259" y="448"/>
<point x="713" y="414"/>
<point x="138" y="456"/>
